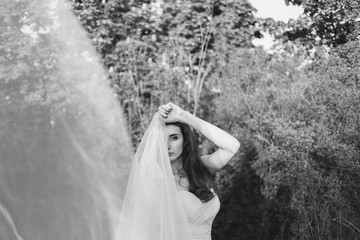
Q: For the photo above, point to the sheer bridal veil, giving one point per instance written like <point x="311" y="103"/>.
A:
<point x="64" y="149"/>
<point x="65" y="155"/>
<point x="151" y="208"/>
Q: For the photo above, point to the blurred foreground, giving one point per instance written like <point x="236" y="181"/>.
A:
<point x="65" y="153"/>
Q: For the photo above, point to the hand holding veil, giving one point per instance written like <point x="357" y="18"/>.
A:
<point x="151" y="208"/>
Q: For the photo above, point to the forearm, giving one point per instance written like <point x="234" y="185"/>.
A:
<point x="219" y="137"/>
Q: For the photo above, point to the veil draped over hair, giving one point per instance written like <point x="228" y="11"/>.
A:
<point x="152" y="209"/>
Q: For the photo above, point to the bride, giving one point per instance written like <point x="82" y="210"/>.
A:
<point x="169" y="194"/>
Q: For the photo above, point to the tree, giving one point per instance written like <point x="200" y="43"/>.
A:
<point x="329" y="23"/>
<point x="163" y="52"/>
<point x="304" y="122"/>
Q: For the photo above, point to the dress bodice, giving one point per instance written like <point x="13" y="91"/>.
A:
<point x="200" y="215"/>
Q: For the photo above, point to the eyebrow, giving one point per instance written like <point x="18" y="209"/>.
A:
<point x="174" y="134"/>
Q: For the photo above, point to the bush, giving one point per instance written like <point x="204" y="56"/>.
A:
<point x="306" y="124"/>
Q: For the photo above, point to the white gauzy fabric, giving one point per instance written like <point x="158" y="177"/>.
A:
<point x="152" y="209"/>
<point x="65" y="153"/>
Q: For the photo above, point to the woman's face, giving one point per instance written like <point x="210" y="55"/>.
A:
<point x="175" y="142"/>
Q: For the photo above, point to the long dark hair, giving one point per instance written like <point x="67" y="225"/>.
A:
<point x="200" y="178"/>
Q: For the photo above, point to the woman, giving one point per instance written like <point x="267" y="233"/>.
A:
<point x="169" y="195"/>
<point x="192" y="173"/>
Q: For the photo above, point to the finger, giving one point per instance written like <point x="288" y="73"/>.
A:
<point x="163" y="115"/>
<point x="162" y="108"/>
<point x="162" y="111"/>
<point x="166" y="108"/>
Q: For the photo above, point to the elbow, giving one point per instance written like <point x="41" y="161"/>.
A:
<point x="236" y="147"/>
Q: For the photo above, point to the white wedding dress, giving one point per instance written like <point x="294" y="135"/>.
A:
<point x="199" y="215"/>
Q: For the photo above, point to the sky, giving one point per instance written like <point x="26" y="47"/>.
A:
<point x="276" y="9"/>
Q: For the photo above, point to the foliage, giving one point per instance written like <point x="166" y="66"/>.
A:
<point x="148" y="47"/>
<point x="296" y="176"/>
<point x="329" y="23"/>
<point x="22" y="78"/>
<point x="305" y="122"/>
<point x="245" y="213"/>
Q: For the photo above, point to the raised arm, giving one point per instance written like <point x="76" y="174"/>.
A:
<point x="227" y="144"/>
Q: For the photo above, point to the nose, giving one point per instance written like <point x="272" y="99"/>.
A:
<point x="168" y="145"/>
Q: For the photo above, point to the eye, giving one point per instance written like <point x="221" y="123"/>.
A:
<point x="173" y="138"/>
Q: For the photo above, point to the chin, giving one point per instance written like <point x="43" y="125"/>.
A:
<point x="173" y="158"/>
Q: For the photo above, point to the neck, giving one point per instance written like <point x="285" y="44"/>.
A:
<point x="176" y="165"/>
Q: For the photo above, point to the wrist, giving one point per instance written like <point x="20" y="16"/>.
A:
<point x="184" y="116"/>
